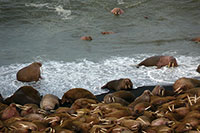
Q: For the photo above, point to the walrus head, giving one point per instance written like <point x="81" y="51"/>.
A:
<point x="117" y="11"/>
<point x="128" y="84"/>
<point x="38" y="63"/>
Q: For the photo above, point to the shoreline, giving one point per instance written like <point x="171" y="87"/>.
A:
<point x="137" y="91"/>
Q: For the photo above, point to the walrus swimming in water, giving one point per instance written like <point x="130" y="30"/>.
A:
<point x="121" y="84"/>
<point x="159" y="61"/>
<point x="117" y="11"/>
<point x="30" y="73"/>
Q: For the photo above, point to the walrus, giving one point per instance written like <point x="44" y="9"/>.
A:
<point x="117" y="11"/>
<point x="198" y="69"/>
<point x="121" y="84"/>
<point x="109" y="98"/>
<point x="183" y="84"/>
<point x="9" y="112"/>
<point x="196" y="39"/>
<point x="107" y="32"/>
<point x="83" y="103"/>
<point x="29" y="73"/>
<point x="144" y="97"/>
<point x="24" y="95"/>
<point x="49" y="102"/>
<point x="76" y="93"/>
<point x="126" y="95"/>
<point x="159" y="61"/>
<point x="87" y="38"/>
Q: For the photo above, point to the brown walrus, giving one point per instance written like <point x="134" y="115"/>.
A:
<point x="29" y="73"/>
<point x="24" y="95"/>
<point x="87" y="38"/>
<point x="126" y="95"/>
<point x="9" y="112"/>
<point x="198" y="69"/>
<point x="76" y="93"/>
<point x="144" y="97"/>
<point x="184" y="84"/>
<point x="49" y="102"/>
<point x="121" y="84"/>
<point x="109" y="98"/>
<point x="117" y="11"/>
<point x="197" y="39"/>
<point x="159" y="61"/>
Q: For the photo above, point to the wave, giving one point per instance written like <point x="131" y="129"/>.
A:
<point x="63" y="13"/>
<point x="59" y="76"/>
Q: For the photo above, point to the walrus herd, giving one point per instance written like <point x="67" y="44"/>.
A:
<point x="79" y="111"/>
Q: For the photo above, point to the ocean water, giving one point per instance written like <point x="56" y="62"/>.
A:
<point x="50" y="31"/>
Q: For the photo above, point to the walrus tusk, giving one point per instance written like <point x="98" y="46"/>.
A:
<point x="103" y="130"/>
<point x="169" y="108"/>
<point x="177" y="89"/>
<point x="187" y="125"/>
<point x="162" y="92"/>
<point x="113" y="99"/>
<point x="189" y="100"/>
<point x="170" y="123"/>
<point x="173" y="107"/>
<point x="147" y="108"/>
<point x="169" y="65"/>
<point x="142" y="120"/>
<point x="173" y="64"/>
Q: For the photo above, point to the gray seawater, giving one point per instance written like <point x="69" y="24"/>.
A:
<point x="50" y="31"/>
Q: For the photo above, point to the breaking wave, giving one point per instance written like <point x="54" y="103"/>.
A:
<point x="58" y="76"/>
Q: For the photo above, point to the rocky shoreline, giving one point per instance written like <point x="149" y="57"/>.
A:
<point x="148" y="109"/>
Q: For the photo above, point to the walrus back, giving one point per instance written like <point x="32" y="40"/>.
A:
<point x="29" y="73"/>
<point x="151" y="61"/>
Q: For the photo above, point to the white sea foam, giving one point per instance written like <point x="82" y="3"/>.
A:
<point x="58" y="77"/>
<point x="37" y="5"/>
<point x="63" y="13"/>
<point x="120" y="2"/>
